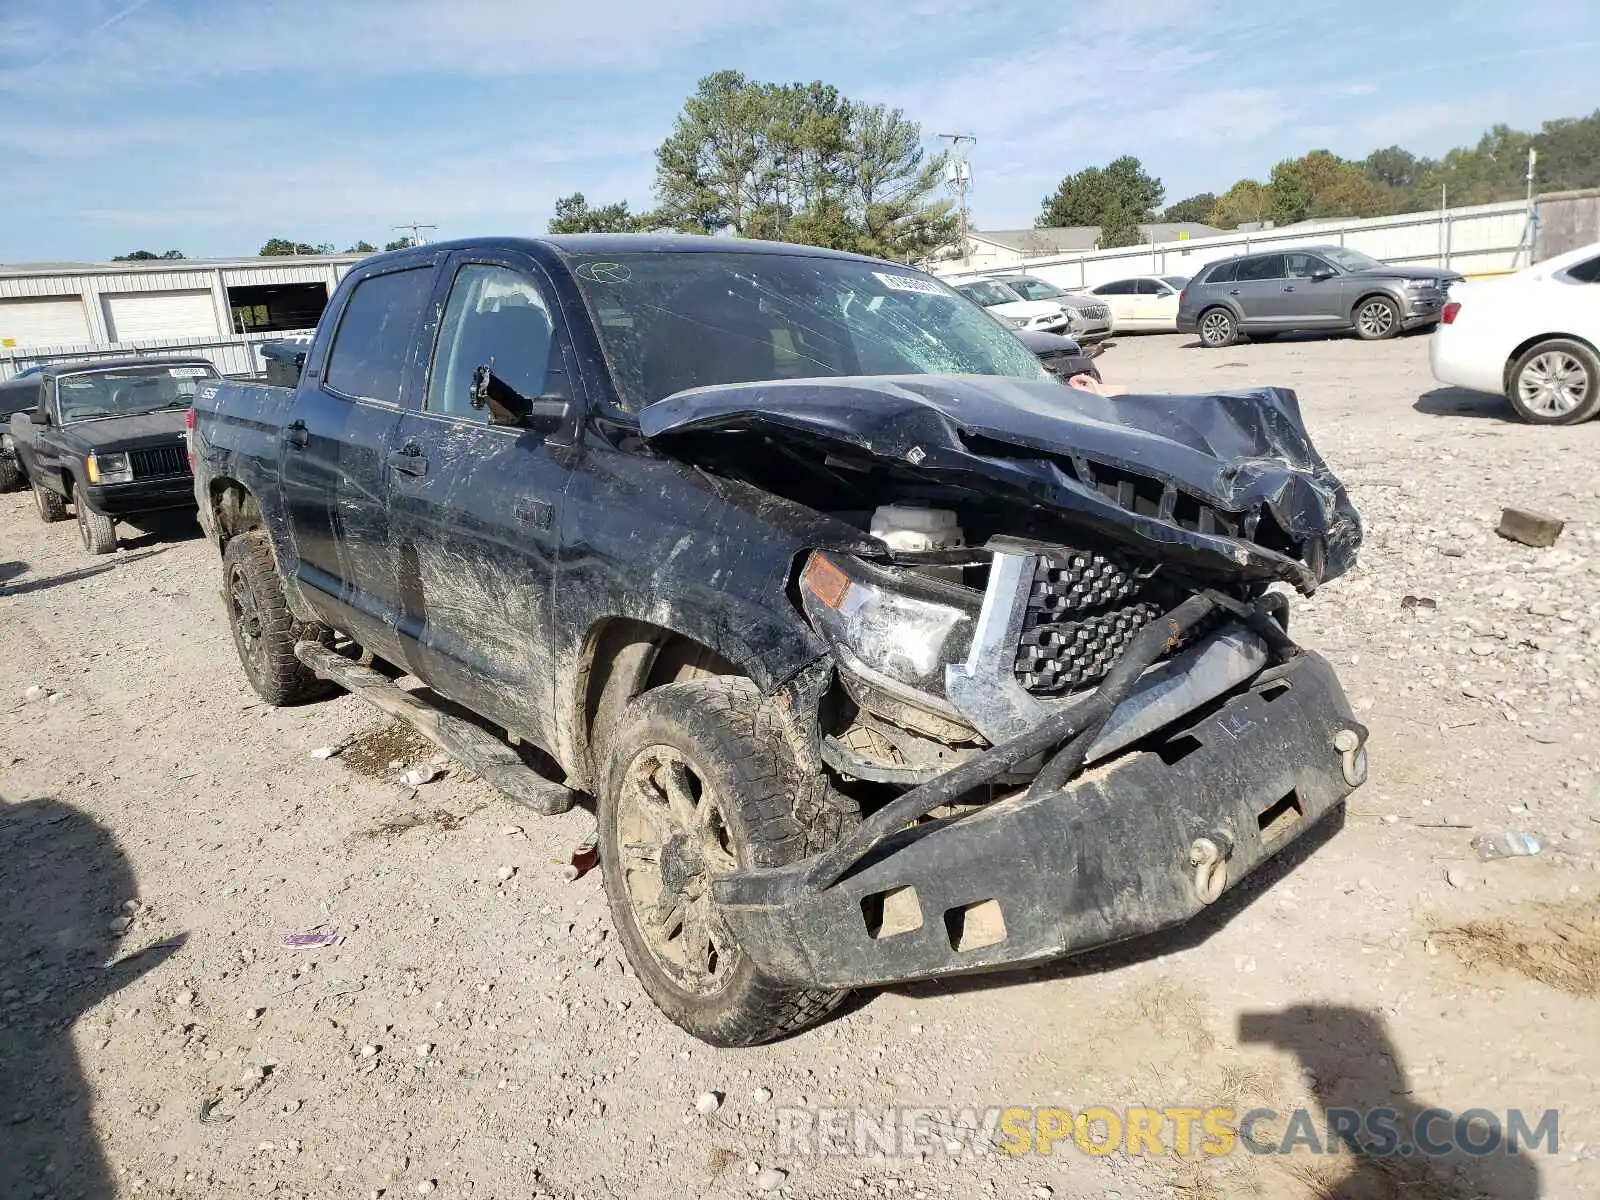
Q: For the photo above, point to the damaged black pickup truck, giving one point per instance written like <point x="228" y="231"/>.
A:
<point x="885" y="655"/>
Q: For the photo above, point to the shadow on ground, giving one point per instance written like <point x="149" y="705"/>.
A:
<point x="62" y="880"/>
<point x="179" y="525"/>
<point x="74" y="575"/>
<point x="1354" y="1068"/>
<point x="1459" y="402"/>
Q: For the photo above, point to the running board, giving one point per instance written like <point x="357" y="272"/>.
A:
<point x="473" y="747"/>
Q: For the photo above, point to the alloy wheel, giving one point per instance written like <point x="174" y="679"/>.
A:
<point x="1553" y="384"/>
<point x="674" y="837"/>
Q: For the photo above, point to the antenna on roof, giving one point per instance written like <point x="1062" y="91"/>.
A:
<point x="958" y="174"/>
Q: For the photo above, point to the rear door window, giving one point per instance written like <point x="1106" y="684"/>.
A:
<point x="1587" y="271"/>
<point x="1268" y="266"/>
<point x="1223" y="273"/>
<point x="1122" y="287"/>
<point x="373" y="344"/>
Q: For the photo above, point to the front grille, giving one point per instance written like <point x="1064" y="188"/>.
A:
<point x="1096" y="312"/>
<point x="1080" y="616"/>
<point x="1083" y="609"/>
<point x="161" y="460"/>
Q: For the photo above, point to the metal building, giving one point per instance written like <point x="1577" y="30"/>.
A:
<point x="221" y="309"/>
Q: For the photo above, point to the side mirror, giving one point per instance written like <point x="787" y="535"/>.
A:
<point x="509" y="407"/>
<point x="1322" y="275"/>
<point x="40" y="416"/>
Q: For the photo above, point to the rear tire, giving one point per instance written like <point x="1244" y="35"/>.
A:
<point x="11" y="476"/>
<point x="701" y="781"/>
<point x="51" y="506"/>
<point x="1218" y="328"/>
<point x="1555" y="383"/>
<point x="265" y="633"/>
<point x="98" y="531"/>
<point x="1377" y="318"/>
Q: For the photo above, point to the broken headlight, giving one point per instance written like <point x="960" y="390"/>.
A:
<point x="901" y="627"/>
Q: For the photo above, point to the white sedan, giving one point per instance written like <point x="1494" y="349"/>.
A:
<point x="1531" y="337"/>
<point x="1143" y="301"/>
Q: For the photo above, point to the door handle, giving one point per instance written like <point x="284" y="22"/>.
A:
<point x="408" y="460"/>
<point x="1233" y="291"/>
<point x="297" y="435"/>
<point x="1288" y="287"/>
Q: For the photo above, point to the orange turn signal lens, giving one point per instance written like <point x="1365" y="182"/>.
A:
<point x="826" y="581"/>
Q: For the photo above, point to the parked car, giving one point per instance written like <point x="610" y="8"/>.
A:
<point x="17" y="394"/>
<point x="1531" y="337"/>
<point x="1015" y="310"/>
<point x="776" y="551"/>
<point x="1310" y="288"/>
<point x="1088" y="320"/>
<point x="1061" y="356"/>
<point x="108" y="439"/>
<point x="1143" y="302"/>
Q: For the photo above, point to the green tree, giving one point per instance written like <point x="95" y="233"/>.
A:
<point x="1321" y="184"/>
<point x="573" y="215"/>
<point x="136" y="256"/>
<point x="276" y="247"/>
<point x="800" y="162"/>
<point x="1115" y="196"/>
<point x="362" y="247"/>
<point x="401" y="243"/>
<point x="1246" y="201"/>
<point x="1196" y="208"/>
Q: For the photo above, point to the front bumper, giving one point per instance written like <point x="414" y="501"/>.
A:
<point x="1029" y="879"/>
<point x="1422" y="309"/>
<point x="141" y="495"/>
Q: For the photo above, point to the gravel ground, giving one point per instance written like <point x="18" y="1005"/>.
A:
<point x="472" y="1031"/>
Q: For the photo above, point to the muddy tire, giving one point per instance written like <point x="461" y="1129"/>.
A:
<point x="1218" y="328"/>
<point x="51" y="506"/>
<point x="98" y="531"/>
<point x="11" y="476"/>
<point x="1377" y="318"/>
<point x="265" y="633"/>
<point x="701" y="780"/>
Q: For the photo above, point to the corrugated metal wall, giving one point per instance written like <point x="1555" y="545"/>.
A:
<point x="233" y="354"/>
<point x="1568" y="220"/>
<point x="1483" y="239"/>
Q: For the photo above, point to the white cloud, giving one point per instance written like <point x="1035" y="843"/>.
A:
<point x="347" y="38"/>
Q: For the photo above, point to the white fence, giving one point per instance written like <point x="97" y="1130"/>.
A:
<point x="232" y="354"/>
<point x="1483" y="239"/>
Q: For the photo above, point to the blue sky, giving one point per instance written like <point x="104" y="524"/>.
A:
<point x="210" y="125"/>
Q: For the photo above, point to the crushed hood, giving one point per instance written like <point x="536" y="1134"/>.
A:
<point x="1226" y="482"/>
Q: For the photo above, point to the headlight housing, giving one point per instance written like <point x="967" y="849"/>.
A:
<point x="1014" y="322"/>
<point x="903" y="628"/>
<point x="109" y="468"/>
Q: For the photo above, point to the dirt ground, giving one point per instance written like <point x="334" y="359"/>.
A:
<point x="471" y="1030"/>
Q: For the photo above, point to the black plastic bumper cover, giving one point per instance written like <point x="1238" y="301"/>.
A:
<point x="141" y="495"/>
<point x="1029" y="879"/>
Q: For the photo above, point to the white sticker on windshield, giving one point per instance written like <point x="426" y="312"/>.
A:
<point x="189" y="372"/>
<point x="909" y="283"/>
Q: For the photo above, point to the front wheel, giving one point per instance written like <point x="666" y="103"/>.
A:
<point x="264" y="630"/>
<point x="1555" y="383"/>
<point x="51" y="506"/>
<point x="98" y="531"/>
<point x="1218" y="328"/>
<point x="701" y="781"/>
<point x="1377" y="318"/>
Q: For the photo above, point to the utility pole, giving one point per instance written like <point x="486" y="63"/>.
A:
<point x="1533" y="158"/>
<point x="959" y="174"/>
<point x="415" y="231"/>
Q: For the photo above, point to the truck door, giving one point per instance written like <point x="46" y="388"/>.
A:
<point x="334" y="452"/>
<point x="476" y="508"/>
